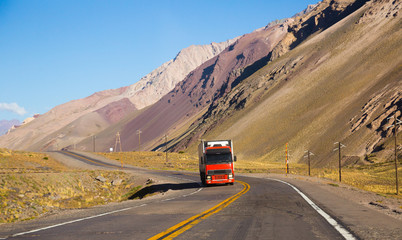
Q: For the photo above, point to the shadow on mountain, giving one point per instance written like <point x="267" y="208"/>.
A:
<point x="328" y="18"/>
<point x="162" y="188"/>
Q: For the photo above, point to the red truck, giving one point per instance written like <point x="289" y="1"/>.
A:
<point x="216" y="160"/>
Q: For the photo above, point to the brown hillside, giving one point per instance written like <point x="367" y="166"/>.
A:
<point x="340" y="83"/>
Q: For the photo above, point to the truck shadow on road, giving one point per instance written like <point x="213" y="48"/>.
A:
<point x="162" y="188"/>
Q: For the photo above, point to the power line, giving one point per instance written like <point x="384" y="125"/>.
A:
<point x="309" y="153"/>
<point x="166" y="147"/>
<point x="396" y="122"/>
<point x="139" y="139"/>
<point x="287" y="159"/>
<point x="93" y="141"/>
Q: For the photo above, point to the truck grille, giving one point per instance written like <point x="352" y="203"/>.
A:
<point x="219" y="172"/>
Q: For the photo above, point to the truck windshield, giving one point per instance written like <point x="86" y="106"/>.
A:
<point x="218" y="158"/>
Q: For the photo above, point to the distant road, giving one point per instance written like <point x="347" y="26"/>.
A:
<point x="250" y="209"/>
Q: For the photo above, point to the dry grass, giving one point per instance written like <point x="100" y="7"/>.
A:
<point x="156" y="160"/>
<point x="378" y="178"/>
<point x="32" y="184"/>
<point x="27" y="162"/>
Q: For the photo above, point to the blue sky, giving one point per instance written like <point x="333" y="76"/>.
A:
<point x="55" y="51"/>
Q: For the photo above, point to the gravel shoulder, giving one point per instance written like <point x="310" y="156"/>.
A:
<point x="366" y="214"/>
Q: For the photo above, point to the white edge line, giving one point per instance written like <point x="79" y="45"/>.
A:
<point x="345" y="233"/>
<point x="192" y="193"/>
<point x="73" y="221"/>
<point x="169" y="199"/>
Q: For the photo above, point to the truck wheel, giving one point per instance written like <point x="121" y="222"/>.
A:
<point x="231" y="183"/>
<point x="202" y="179"/>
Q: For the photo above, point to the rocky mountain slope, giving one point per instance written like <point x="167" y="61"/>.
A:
<point x="207" y="83"/>
<point x="337" y="78"/>
<point x="71" y="122"/>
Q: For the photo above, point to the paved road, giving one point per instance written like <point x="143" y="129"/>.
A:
<point x="268" y="210"/>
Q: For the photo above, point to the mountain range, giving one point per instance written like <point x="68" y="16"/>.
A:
<point x="74" y="121"/>
<point x="6" y="125"/>
<point x="331" y="73"/>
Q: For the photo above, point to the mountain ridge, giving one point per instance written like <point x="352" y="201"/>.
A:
<point x="43" y="133"/>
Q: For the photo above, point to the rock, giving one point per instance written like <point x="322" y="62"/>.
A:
<point x="100" y="178"/>
<point x="55" y="198"/>
<point x="117" y="182"/>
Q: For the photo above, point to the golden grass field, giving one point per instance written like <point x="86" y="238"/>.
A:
<point x="32" y="184"/>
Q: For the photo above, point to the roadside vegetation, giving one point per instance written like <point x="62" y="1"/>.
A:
<point x="378" y="177"/>
<point x="33" y="184"/>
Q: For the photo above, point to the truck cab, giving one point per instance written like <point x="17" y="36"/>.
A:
<point x="216" y="162"/>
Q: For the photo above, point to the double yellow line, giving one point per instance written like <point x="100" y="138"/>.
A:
<point x="179" y="228"/>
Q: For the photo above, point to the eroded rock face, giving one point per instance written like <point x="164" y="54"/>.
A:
<point x="381" y="9"/>
<point x="377" y="115"/>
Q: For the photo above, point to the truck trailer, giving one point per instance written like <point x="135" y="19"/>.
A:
<point x="216" y="162"/>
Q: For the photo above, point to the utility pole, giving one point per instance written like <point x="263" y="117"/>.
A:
<point x="340" y="145"/>
<point x="93" y="141"/>
<point x="309" y="153"/>
<point x="166" y="149"/>
<point x="287" y="159"/>
<point x="395" y="125"/>
<point x="139" y="139"/>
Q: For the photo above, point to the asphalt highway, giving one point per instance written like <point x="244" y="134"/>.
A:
<point x="252" y="208"/>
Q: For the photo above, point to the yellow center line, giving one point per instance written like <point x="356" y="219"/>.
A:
<point x="179" y="228"/>
<point x="86" y="159"/>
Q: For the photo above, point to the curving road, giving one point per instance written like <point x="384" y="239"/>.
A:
<point x="250" y="209"/>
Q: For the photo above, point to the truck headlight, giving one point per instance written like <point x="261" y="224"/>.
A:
<point x="209" y="177"/>
<point x="230" y="176"/>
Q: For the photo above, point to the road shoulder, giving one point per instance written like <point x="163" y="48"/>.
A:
<point x="367" y="215"/>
